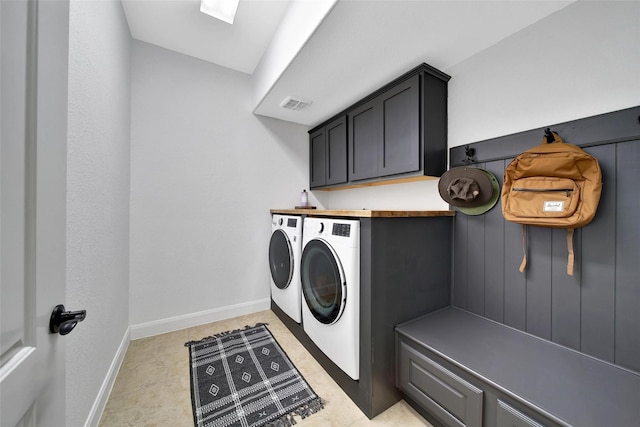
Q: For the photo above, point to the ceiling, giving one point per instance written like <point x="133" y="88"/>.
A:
<point x="179" y="25"/>
<point x="358" y="47"/>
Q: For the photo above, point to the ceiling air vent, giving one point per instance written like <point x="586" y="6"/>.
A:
<point x="296" y="104"/>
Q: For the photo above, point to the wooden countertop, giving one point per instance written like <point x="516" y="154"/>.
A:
<point x="362" y="213"/>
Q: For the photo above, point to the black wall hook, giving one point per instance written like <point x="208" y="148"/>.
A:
<point x="549" y="136"/>
<point x="468" y="154"/>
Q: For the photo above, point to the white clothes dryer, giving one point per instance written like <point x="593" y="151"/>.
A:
<point x="330" y="276"/>
<point x="285" y="248"/>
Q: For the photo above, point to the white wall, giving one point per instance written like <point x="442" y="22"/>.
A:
<point x="97" y="202"/>
<point x="581" y="61"/>
<point x="204" y="173"/>
<point x="298" y="25"/>
<point x="421" y="195"/>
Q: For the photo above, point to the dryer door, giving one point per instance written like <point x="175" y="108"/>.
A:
<point x="280" y="259"/>
<point x="323" y="281"/>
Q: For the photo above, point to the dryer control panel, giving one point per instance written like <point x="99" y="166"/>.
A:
<point x="343" y="230"/>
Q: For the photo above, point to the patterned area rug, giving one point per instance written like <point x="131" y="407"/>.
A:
<point x="244" y="378"/>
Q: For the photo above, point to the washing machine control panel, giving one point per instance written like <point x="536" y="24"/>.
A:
<point x="292" y="222"/>
<point x="343" y="230"/>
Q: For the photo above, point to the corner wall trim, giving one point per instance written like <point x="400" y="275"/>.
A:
<point x="170" y="324"/>
<point x="107" y="385"/>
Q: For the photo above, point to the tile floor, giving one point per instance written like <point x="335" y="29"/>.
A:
<point x="152" y="387"/>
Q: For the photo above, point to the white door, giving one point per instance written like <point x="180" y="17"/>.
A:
<point x="33" y="110"/>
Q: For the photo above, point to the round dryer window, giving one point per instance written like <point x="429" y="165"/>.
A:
<point x="323" y="282"/>
<point x="280" y="259"/>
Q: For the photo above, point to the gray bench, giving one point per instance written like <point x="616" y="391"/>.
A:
<point x="460" y="369"/>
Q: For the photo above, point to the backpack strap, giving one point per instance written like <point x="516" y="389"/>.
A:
<point x="570" y="258"/>
<point x="523" y="265"/>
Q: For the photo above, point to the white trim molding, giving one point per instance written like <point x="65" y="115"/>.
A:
<point x="107" y="385"/>
<point x="170" y="324"/>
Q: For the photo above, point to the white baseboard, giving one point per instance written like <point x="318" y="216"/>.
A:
<point x="105" y="390"/>
<point x="162" y="326"/>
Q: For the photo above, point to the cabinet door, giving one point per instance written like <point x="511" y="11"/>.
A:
<point x="318" y="159"/>
<point x="441" y="392"/>
<point x="399" y="148"/>
<point x="511" y="417"/>
<point x="364" y="124"/>
<point x="336" y="145"/>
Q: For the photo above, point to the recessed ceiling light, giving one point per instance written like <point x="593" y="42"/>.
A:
<point x="224" y="10"/>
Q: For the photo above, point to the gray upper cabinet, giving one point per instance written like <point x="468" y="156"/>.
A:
<point x="328" y="154"/>
<point x="399" y="131"/>
<point x="399" y="145"/>
<point x="363" y="141"/>
<point x="337" y="151"/>
<point x="318" y="159"/>
<point x="384" y="137"/>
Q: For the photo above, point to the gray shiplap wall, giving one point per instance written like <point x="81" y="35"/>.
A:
<point x="596" y="311"/>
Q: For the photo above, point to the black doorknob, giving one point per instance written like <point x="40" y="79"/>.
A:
<point x="62" y="322"/>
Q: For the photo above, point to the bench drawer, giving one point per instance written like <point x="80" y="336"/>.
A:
<point x="511" y="417"/>
<point x="452" y="399"/>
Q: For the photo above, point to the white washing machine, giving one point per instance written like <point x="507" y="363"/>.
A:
<point x="330" y="276"/>
<point x="285" y="248"/>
